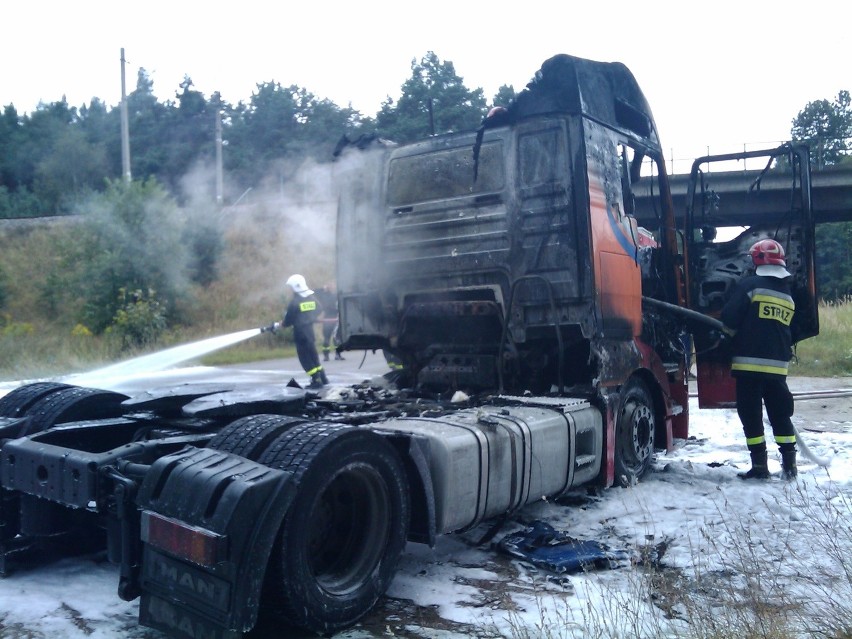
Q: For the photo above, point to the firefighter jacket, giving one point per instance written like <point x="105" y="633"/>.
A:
<point x="301" y="313"/>
<point x="758" y="316"/>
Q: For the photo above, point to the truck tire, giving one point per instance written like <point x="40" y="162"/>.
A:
<point x="338" y="547"/>
<point x="634" y="433"/>
<point x="16" y="402"/>
<point x="74" y="403"/>
<point x="250" y="436"/>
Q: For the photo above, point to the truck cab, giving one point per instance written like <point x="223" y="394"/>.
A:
<point x="510" y="258"/>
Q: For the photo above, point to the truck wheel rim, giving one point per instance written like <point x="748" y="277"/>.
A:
<point x="348" y="528"/>
<point x="641" y="428"/>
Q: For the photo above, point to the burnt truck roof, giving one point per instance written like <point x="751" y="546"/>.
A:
<point x="604" y="91"/>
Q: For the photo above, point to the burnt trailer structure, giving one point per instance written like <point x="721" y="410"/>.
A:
<point x="504" y="269"/>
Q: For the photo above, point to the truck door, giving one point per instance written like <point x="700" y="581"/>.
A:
<point x="615" y="239"/>
<point x="733" y="201"/>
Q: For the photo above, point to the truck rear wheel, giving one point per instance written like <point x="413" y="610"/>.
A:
<point x="634" y="433"/>
<point x="71" y="404"/>
<point x="339" y="545"/>
<point x="250" y="436"/>
<point x="16" y="402"/>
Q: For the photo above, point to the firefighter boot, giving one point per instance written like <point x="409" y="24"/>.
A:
<point x="316" y="381"/>
<point x="323" y="377"/>
<point x="337" y="355"/>
<point x="759" y="465"/>
<point x="325" y="356"/>
<point x="788" y="464"/>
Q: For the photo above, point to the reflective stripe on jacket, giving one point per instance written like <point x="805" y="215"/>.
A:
<point x="758" y="315"/>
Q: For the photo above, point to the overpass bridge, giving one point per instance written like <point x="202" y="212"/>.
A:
<point x="831" y="194"/>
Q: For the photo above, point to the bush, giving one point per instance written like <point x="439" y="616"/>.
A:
<point x="130" y="241"/>
<point x="141" y="319"/>
<point x="80" y="331"/>
<point x="8" y="328"/>
<point x="20" y="203"/>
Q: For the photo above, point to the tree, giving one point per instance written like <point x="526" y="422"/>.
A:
<point x="102" y="129"/>
<point x="35" y="139"/>
<point x="10" y="141"/>
<point x="434" y="100"/>
<point x="827" y="129"/>
<point x="186" y="136"/>
<point x="16" y="198"/>
<point x="834" y="260"/>
<point x="73" y="168"/>
<point x="282" y="123"/>
<point x="148" y="126"/>
<point x="505" y="95"/>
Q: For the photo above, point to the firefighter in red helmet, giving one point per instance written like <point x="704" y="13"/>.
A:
<point x="758" y="316"/>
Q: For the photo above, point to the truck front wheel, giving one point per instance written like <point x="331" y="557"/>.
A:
<point x="338" y="547"/>
<point x="634" y="433"/>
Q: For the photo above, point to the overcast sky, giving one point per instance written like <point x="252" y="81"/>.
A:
<point x="718" y="74"/>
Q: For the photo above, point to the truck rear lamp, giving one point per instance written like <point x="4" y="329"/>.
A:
<point x="191" y="543"/>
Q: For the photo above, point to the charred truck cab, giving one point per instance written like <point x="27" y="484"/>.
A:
<point x="510" y="258"/>
<point x="543" y="333"/>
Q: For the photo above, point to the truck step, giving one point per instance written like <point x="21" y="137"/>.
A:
<point x="585" y="460"/>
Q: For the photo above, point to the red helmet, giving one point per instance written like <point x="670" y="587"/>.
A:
<point x="767" y="252"/>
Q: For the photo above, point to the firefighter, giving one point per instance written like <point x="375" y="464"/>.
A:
<point x="758" y="317"/>
<point x="302" y="311"/>
<point x="327" y="297"/>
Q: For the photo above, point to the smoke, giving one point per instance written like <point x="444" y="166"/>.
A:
<point x="283" y="225"/>
<point x="141" y="237"/>
<point x="358" y="178"/>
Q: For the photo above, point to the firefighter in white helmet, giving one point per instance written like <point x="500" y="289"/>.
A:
<point x="302" y="311"/>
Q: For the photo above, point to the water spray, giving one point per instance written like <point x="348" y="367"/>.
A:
<point x="166" y="358"/>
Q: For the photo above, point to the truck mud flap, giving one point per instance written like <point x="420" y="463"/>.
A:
<point x="179" y="621"/>
<point x="208" y="522"/>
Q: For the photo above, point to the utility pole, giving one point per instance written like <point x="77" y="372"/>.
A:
<point x="219" y="186"/>
<point x="125" y="129"/>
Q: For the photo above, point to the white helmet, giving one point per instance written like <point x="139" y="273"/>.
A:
<point x="299" y="285"/>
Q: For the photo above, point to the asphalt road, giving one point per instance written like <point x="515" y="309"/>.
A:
<point x="355" y="368"/>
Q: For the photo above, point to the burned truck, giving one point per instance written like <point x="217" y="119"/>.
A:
<point x="544" y="338"/>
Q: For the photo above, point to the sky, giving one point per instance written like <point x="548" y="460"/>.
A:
<point x="723" y="539"/>
<point x="717" y="75"/>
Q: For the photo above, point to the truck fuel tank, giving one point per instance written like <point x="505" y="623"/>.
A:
<point x="493" y="459"/>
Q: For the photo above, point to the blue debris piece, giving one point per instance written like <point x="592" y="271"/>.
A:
<point x="543" y="546"/>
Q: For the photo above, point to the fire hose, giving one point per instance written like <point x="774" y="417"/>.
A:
<point x="807" y="452"/>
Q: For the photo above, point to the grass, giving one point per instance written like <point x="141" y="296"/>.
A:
<point x="33" y="354"/>
<point x="242" y="353"/>
<point x="829" y="354"/>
